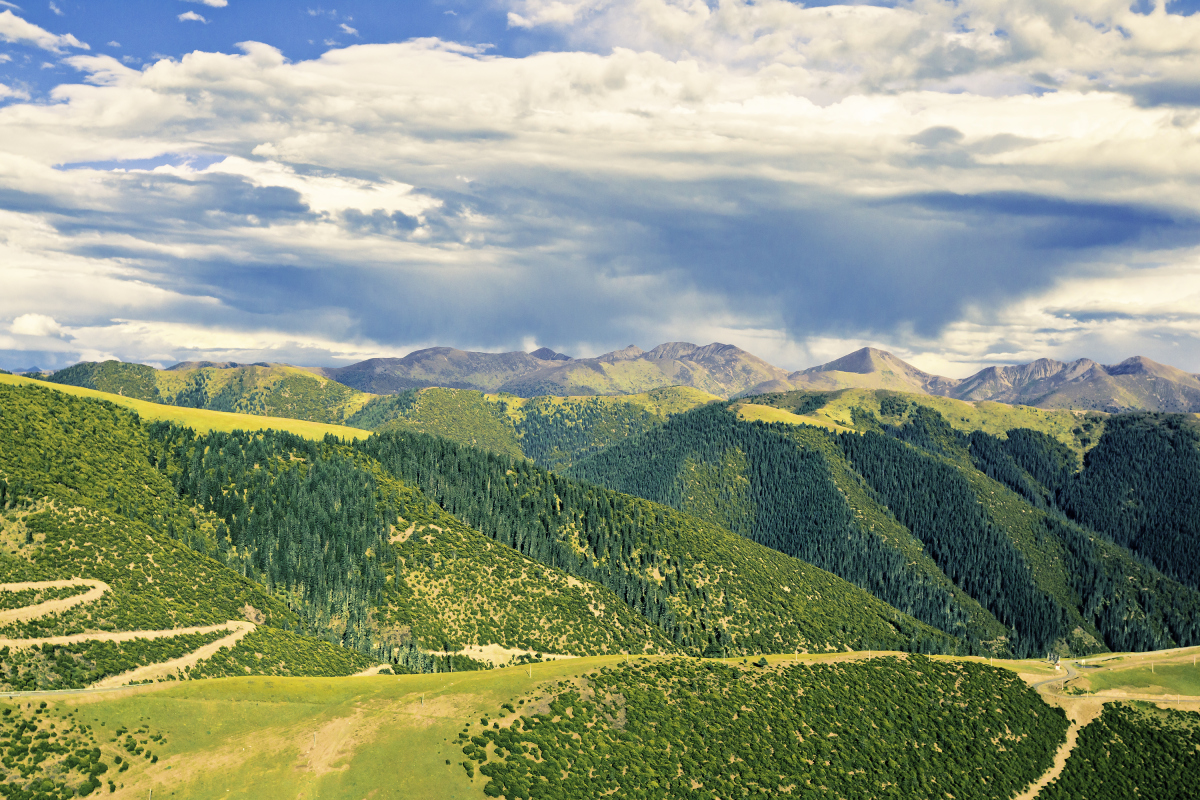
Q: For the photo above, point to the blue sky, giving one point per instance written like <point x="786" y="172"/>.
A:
<point x="961" y="183"/>
<point x="142" y="31"/>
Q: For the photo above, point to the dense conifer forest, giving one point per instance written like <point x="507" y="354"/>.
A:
<point x="1137" y="486"/>
<point x="911" y="728"/>
<point x="991" y="536"/>
<point x="660" y="562"/>
<point x="1133" y="750"/>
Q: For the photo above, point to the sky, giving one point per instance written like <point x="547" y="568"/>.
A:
<point x="961" y="183"/>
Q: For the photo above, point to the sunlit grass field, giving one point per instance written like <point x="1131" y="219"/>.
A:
<point x="200" y="420"/>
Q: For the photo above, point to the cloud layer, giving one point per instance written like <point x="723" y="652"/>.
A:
<point x="961" y="183"/>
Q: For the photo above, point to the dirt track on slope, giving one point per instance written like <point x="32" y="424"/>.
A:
<point x="121" y="636"/>
<point x="1080" y="714"/>
<point x="27" y="613"/>
<point x="164" y="668"/>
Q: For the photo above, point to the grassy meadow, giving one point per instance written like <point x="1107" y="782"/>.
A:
<point x="200" y="420"/>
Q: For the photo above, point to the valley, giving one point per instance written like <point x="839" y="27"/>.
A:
<point x="543" y="597"/>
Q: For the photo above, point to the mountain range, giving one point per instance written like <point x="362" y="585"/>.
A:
<point x="728" y="371"/>
<point x="722" y="370"/>
<point x="162" y="540"/>
<point x="1134" y="384"/>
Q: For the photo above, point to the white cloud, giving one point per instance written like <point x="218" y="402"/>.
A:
<point x="9" y="92"/>
<point x="17" y="31"/>
<point x="35" y="325"/>
<point x="114" y="43"/>
<point x="347" y="29"/>
<point x="593" y="176"/>
<point x="56" y="9"/>
<point x="191" y="16"/>
<point x="211" y="3"/>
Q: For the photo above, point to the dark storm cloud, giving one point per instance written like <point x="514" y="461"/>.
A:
<point x="563" y="259"/>
<point x="1052" y="222"/>
<point x="1185" y="94"/>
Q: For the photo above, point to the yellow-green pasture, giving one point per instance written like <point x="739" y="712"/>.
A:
<point x="201" y="420"/>
<point x="1167" y="672"/>
<point x="383" y="736"/>
<point x="992" y="418"/>
<point x="756" y="413"/>
<point x="662" y="402"/>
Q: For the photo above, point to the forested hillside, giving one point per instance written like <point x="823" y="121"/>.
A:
<point x="1133" y="750"/>
<point x="308" y="540"/>
<point x="708" y="589"/>
<point x="918" y="512"/>
<point x="911" y="728"/>
<point x="81" y="498"/>
<point x="368" y="560"/>
<point x="1138" y="485"/>
<point x="553" y="431"/>
<point x="338" y="541"/>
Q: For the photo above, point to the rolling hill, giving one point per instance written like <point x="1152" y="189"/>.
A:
<point x="553" y="431"/>
<point x="335" y="540"/>
<point x="274" y="390"/>
<point x="247" y="570"/>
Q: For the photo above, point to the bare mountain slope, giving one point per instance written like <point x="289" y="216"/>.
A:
<point x="720" y="369"/>
<point x="440" y="366"/>
<point x="1135" y="383"/>
<point x="867" y="368"/>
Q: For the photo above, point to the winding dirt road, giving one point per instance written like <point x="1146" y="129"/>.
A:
<point x="238" y="629"/>
<point x="27" y="613"/>
<point x="162" y="669"/>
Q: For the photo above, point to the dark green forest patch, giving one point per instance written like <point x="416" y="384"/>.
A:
<point x="1133" y="750"/>
<point x="904" y="728"/>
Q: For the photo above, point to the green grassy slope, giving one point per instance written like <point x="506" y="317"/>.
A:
<point x="138" y="381"/>
<point x="274" y="390"/>
<point x="552" y="431"/>
<point x="81" y="499"/>
<point x="461" y="415"/>
<point x="557" y="431"/>
<point x="196" y="418"/>
<point x="845" y="408"/>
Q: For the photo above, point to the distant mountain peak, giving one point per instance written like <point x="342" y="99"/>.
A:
<point x="546" y="354"/>
<point x="190" y="365"/>
<point x="625" y="354"/>
<point x="865" y="361"/>
<point x="672" y="350"/>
